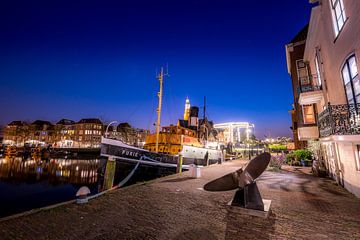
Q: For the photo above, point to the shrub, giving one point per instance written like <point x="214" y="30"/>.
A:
<point x="296" y="156"/>
<point x="302" y="154"/>
<point x="290" y="158"/>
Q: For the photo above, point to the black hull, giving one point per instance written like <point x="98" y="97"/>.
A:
<point x="123" y="152"/>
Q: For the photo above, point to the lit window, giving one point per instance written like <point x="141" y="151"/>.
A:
<point x="338" y="15"/>
<point x="308" y="113"/>
<point x="351" y="80"/>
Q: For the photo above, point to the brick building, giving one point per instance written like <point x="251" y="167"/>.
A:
<point x="301" y="82"/>
<point x="88" y="132"/>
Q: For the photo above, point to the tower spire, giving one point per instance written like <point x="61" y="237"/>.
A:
<point x="187" y="109"/>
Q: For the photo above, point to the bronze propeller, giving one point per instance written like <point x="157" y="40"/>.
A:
<point x="241" y="178"/>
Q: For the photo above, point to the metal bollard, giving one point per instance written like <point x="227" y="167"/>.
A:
<point x="82" y="195"/>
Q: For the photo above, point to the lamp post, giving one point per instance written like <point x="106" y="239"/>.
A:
<point x="107" y="128"/>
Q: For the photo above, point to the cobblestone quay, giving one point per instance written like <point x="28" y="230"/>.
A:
<point x="176" y="207"/>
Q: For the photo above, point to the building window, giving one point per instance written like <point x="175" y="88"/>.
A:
<point x="302" y="72"/>
<point x="351" y="80"/>
<point x="308" y="114"/>
<point x="358" y="158"/>
<point x="317" y="66"/>
<point x="338" y="15"/>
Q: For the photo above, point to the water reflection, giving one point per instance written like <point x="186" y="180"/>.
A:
<point x="55" y="171"/>
<point x="31" y="183"/>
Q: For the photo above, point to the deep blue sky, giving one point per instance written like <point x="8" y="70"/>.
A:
<point x="77" y="59"/>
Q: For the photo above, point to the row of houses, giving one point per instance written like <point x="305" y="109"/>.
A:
<point x="323" y="61"/>
<point x="66" y="133"/>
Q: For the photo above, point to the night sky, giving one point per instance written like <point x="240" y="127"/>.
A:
<point x="78" y="59"/>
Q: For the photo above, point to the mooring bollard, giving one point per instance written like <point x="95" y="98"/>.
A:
<point x="195" y="171"/>
<point x="82" y="194"/>
<point x="179" y="164"/>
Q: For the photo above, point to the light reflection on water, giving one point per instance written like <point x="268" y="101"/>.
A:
<point x="55" y="171"/>
<point x="28" y="184"/>
<point x="35" y="183"/>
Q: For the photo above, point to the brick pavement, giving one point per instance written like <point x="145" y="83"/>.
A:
<point x="175" y="207"/>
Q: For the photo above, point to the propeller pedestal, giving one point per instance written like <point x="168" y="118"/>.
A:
<point x="248" y="197"/>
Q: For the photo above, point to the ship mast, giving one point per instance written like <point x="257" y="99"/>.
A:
<point x="160" y="77"/>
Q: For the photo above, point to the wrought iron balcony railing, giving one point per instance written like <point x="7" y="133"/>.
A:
<point x="308" y="84"/>
<point x="341" y="119"/>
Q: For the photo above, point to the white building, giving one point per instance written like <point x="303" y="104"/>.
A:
<point x="332" y="56"/>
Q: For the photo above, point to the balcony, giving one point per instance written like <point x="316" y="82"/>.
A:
<point x="309" y="132"/>
<point x="309" y="91"/>
<point x="341" y="119"/>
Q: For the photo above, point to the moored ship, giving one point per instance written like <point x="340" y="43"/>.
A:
<point x="189" y="140"/>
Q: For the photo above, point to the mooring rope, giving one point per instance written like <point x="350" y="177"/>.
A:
<point x="125" y="180"/>
<point x="122" y="183"/>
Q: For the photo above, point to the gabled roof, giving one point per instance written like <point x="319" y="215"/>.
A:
<point x="90" y="120"/>
<point x="66" y="122"/>
<point x="16" y="123"/>
<point x="301" y="36"/>
<point x="41" y="123"/>
<point x="124" y="125"/>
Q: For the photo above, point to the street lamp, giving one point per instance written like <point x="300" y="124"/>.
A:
<point x="107" y="128"/>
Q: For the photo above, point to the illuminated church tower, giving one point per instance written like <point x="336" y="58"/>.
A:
<point x="187" y="109"/>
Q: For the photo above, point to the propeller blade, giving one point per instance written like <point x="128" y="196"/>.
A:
<point x="240" y="178"/>
<point x="225" y="183"/>
<point x="257" y="165"/>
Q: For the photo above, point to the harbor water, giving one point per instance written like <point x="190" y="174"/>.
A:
<point x="29" y="184"/>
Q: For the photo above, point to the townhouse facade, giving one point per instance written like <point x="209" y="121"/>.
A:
<point x="88" y="132"/>
<point x="301" y="82"/>
<point x="15" y="133"/>
<point x="331" y="54"/>
<point x="67" y="133"/>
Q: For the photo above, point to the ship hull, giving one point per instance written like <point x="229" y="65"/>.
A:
<point x="191" y="155"/>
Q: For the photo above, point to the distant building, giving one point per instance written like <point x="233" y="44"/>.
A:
<point x="1" y="134"/>
<point x="331" y="58"/>
<point x="131" y="136"/>
<point x="41" y="133"/>
<point x="88" y="132"/>
<point x="303" y="117"/>
<point x="65" y="134"/>
<point x="15" y="133"/>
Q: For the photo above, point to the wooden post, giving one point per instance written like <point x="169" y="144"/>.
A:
<point x="179" y="164"/>
<point x="109" y="173"/>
